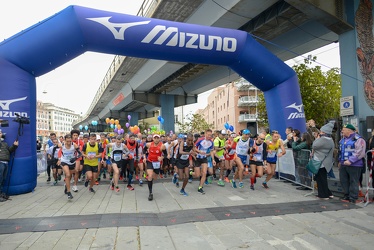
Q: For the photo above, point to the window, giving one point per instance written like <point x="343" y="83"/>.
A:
<point x="175" y="118"/>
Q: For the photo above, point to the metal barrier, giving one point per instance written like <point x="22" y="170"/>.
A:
<point x="369" y="166"/>
<point x="292" y="167"/>
<point x="41" y="162"/>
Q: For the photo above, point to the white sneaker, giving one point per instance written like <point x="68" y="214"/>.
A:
<point x="72" y="180"/>
<point x="74" y="188"/>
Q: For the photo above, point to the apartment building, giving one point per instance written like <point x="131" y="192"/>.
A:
<point x="51" y="118"/>
<point x="234" y="103"/>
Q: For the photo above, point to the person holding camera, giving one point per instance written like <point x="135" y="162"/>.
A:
<point x="5" y="152"/>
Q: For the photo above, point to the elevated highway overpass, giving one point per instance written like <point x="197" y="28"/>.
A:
<point x="139" y="86"/>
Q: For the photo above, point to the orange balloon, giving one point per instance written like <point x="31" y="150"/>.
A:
<point x="116" y="122"/>
<point x="119" y="126"/>
<point x="107" y="120"/>
<point x="111" y="121"/>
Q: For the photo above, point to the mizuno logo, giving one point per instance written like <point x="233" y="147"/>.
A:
<point x="5" y="104"/>
<point x="298" y="114"/>
<point x="171" y="36"/>
<point x="299" y="108"/>
<point x="117" y="29"/>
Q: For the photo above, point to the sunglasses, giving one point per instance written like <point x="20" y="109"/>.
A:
<point x="274" y="132"/>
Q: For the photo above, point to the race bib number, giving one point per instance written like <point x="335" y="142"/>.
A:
<point x="232" y="151"/>
<point x="258" y="157"/>
<point x="91" y="154"/>
<point x="156" y="165"/>
<point x="68" y="156"/>
<point x="117" y="157"/>
<point x="184" y="157"/>
<point x="271" y="154"/>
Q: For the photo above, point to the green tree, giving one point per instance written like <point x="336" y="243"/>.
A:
<point x="193" y="123"/>
<point x="320" y="92"/>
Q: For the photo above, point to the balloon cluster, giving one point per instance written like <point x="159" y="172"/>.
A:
<point x="160" y="119"/>
<point x="229" y="127"/>
<point x="134" y="129"/>
<point x="114" y="124"/>
<point x="154" y="130"/>
<point x="81" y="127"/>
<point x="94" y="123"/>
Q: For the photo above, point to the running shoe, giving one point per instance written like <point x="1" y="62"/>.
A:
<point x="233" y="184"/>
<point x="92" y="190"/>
<point x="227" y="180"/>
<point x="140" y="182"/>
<point x="70" y="196"/>
<point x="86" y="183"/>
<point x="54" y="183"/>
<point x="210" y="179"/>
<point x="241" y="185"/>
<point x="221" y="183"/>
<point x="49" y="179"/>
<point x="136" y="177"/>
<point x="117" y="189"/>
<point x="129" y="187"/>
<point x="112" y="186"/>
<point x="200" y="190"/>
<point x="59" y="177"/>
<point x="265" y="185"/>
<point x="177" y="184"/>
<point x="74" y="188"/>
<point x="104" y="176"/>
<point x="190" y="180"/>
<point x="150" y="197"/>
<point x="161" y="176"/>
<point x="206" y="182"/>
<point x="96" y="182"/>
<point x="253" y="187"/>
<point x="175" y="178"/>
<point x="182" y="192"/>
<point x="121" y="178"/>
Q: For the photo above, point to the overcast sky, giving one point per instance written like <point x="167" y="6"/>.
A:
<point x="74" y="84"/>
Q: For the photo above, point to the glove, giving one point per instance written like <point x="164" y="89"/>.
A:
<point x="72" y="160"/>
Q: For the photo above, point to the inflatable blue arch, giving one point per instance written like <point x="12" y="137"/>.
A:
<point x="75" y="30"/>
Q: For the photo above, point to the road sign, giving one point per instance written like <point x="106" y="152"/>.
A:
<point x="346" y="106"/>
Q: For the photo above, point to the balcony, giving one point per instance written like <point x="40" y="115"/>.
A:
<point x="244" y="85"/>
<point x="246" y="101"/>
<point x="247" y="118"/>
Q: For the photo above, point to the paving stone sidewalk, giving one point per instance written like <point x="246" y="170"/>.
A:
<point x="280" y="217"/>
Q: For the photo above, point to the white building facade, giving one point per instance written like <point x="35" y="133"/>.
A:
<point x="51" y="118"/>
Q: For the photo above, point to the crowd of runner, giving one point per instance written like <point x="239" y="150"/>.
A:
<point x="139" y="158"/>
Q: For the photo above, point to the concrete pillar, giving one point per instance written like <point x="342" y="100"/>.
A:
<point x="353" y="81"/>
<point x="167" y="112"/>
<point x="134" y="118"/>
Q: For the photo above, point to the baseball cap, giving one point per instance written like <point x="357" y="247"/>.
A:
<point x="156" y="135"/>
<point x="223" y="132"/>
<point x="181" y="136"/>
<point x="246" y="132"/>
